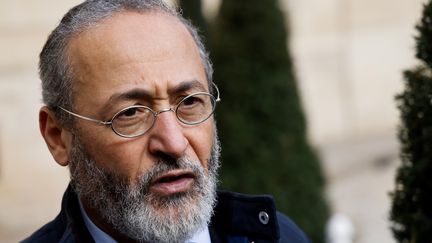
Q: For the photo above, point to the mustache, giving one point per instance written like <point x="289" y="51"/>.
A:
<point x="161" y="167"/>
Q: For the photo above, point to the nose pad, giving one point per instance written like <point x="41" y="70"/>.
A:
<point x="164" y="110"/>
<point x="167" y="135"/>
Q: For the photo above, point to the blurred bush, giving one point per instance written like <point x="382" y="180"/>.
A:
<point x="261" y="123"/>
<point x="411" y="211"/>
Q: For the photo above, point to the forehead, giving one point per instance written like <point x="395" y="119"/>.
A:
<point x="131" y="47"/>
<point x="131" y="33"/>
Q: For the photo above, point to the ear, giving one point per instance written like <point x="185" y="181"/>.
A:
<point x="57" y="138"/>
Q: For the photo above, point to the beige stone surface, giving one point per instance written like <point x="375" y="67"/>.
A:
<point x="360" y="175"/>
<point x="31" y="183"/>
<point x="349" y="57"/>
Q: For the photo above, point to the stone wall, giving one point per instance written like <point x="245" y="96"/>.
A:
<point x="349" y="56"/>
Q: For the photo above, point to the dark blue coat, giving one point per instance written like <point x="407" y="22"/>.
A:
<point x="238" y="219"/>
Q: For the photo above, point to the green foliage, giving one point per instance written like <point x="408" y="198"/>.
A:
<point x="411" y="211"/>
<point x="260" y="120"/>
<point x="424" y="40"/>
<point x="412" y="199"/>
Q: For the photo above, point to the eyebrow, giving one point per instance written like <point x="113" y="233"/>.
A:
<point x="143" y="94"/>
<point x="137" y="93"/>
<point x="133" y="94"/>
<point x="187" y="86"/>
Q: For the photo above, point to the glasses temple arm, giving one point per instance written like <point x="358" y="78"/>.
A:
<point x="217" y="91"/>
<point x="85" y="118"/>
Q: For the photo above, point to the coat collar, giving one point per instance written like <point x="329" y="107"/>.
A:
<point x="71" y="214"/>
<point x="241" y="215"/>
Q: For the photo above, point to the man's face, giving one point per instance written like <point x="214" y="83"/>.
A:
<point x="144" y="59"/>
<point x="140" y="59"/>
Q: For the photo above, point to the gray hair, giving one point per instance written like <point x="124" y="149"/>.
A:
<point x="54" y="64"/>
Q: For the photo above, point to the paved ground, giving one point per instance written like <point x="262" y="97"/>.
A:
<point x="360" y="176"/>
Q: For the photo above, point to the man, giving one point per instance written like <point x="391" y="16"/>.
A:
<point x="129" y="101"/>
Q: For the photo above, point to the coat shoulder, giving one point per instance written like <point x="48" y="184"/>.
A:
<point x="289" y="231"/>
<point x="51" y="232"/>
<point x="253" y="217"/>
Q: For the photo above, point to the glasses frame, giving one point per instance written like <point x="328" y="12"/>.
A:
<point x="155" y="113"/>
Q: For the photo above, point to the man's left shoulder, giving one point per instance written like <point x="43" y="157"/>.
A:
<point x="254" y="217"/>
<point x="289" y="231"/>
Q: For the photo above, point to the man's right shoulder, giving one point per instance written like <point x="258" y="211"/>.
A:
<point x="54" y="231"/>
<point x="67" y="227"/>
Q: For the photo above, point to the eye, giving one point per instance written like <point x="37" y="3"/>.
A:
<point x="190" y="101"/>
<point x="195" y="108"/>
<point x="133" y="120"/>
<point x="129" y="112"/>
<point x="133" y="113"/>
<point x="194" y="104"/>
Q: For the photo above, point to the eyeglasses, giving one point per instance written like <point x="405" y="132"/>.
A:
<point x="134" y="121"/>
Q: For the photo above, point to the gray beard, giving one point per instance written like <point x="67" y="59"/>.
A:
<point x="137" y="213"/>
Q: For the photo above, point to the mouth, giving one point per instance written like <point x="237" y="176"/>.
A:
<point x="173" y="182"/>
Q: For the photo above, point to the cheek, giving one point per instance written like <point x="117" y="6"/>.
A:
<point x="130" y="158"/>
<point x="118" y="155"/>
<point x="201" y="140"/>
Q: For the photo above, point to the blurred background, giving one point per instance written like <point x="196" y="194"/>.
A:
<point x="348" y="57"/>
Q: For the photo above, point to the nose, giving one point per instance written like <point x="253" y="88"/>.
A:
<point x="166" y="136"/>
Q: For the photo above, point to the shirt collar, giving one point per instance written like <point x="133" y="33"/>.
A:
<point x="202" y="236"/>
<point x="98" y="235"/>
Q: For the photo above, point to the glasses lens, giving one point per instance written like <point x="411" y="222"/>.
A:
<point x="195" y="108"/>
<point x="133" y="121"/>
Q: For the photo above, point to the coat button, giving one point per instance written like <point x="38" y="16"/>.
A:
<point x="263" y="217"/>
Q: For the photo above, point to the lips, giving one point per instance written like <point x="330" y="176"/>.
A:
<point x="173" y="182"/>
